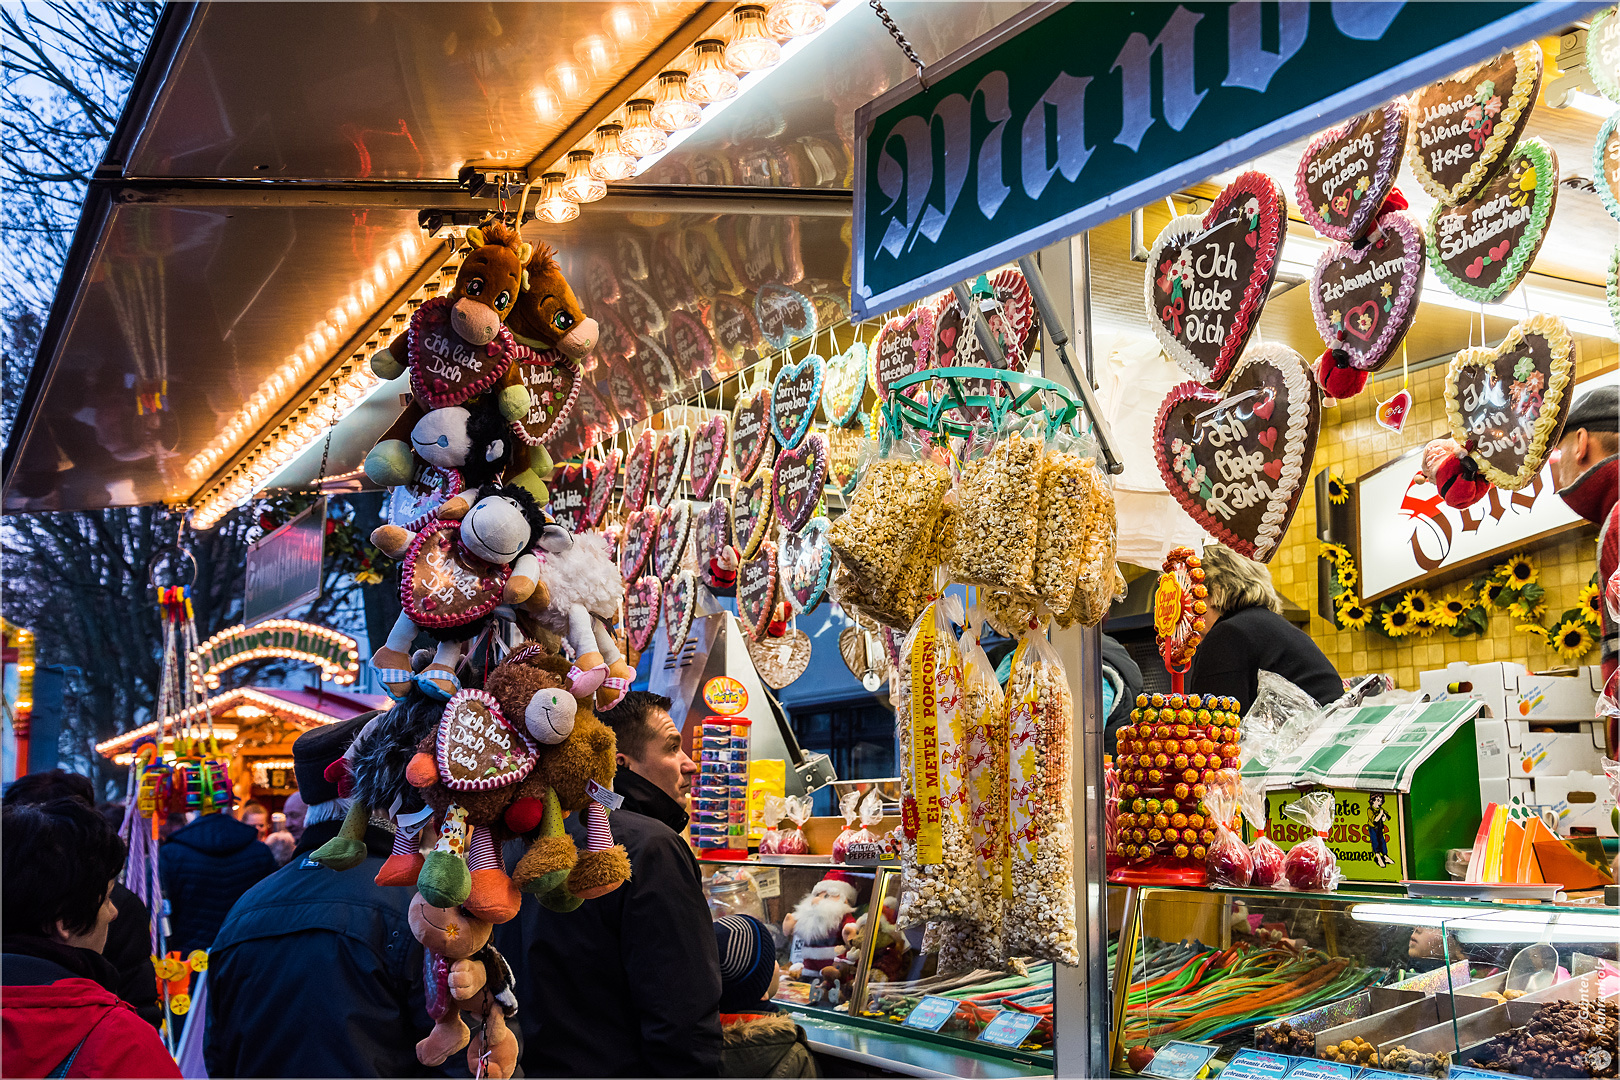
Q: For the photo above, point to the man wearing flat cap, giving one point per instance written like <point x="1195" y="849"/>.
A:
<point x="316" y="972"/>
<point x="1587" y="471"/>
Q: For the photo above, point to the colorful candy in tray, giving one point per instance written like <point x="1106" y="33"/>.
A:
<point x="1175" y="748"/>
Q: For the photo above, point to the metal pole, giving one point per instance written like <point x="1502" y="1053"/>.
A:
<point x="1060" y="339"/>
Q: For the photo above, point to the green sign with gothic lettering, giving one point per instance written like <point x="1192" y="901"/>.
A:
<point x="1071" y="114"/>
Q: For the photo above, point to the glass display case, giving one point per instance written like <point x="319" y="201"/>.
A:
<point x="1250" y="978"/>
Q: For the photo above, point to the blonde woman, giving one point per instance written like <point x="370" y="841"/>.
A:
<point x="1247" y="634"/>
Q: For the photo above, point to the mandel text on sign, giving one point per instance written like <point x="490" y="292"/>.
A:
<point x="1069" y="115"/>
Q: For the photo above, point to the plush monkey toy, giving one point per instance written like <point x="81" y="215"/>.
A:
<point x="461" y="970"/>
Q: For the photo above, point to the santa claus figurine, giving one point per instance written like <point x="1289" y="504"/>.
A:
<point x="889" y="948"/>
<point x="816" y="924"/>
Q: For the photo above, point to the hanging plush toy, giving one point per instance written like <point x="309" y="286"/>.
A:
<point x="473" y="440"/>
<point x="579" y="599"/>
<point x="453" y="941"/>
<point x="1452" y="470"/>
<point x="547" y="314"/>
<point x="455" y="574"/>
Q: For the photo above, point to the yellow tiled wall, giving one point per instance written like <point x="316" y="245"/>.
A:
<point x="1353" y="443"/>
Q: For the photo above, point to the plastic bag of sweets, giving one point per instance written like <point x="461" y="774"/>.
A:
<point x="998" y="500"/>
<point x="792" y="841"/>
<point x="1310" y="865"/>
<point x="1265" y="855"/>
<point x="1040" y="916"/>
<point x="870" y="815"/>
<point x="770" y="812"/>
<point x="1227" y="860"/>
<point x="848" y="808"/>
<point x="936" y="856"/>
<point x="891" y="516"/>
<point x="1098" y="578"/>
<point x="984" y="774"/>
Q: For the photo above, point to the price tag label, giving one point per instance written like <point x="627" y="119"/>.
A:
<point x="1009" y="1029"/>
<point x="1325" y="1070"/>
<point x="1178" y="1060"/>
<point x="768" y="880"/>
<point x="931" y="1013"/>
<point x="1257" y="1065"/>
<point x="1459" y="1072"/>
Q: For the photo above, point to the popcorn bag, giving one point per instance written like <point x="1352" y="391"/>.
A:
<point x="770" y="841"/>
<point x="1040" y="917"/>
<point x="998" y="509"/>
<point x="984" y="769"/>
<point x="792" y="841"/>
<point x="1064" y="519"/>
<point x="1229" y="861"/>
<point x="1310" y="866"/>
<point x="1265" y="855"/>
<point x="884" y="539"/>
<point x="1097" y="526"/>
<point x="850" y="811"/>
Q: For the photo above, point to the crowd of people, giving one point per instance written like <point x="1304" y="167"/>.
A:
<point x="640" y="982"/>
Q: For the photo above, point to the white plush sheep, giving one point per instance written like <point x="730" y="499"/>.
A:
<point x="579" y="601"/>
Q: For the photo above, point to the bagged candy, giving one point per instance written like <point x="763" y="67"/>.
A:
<point x="770" y="840"/>
<point x="848" y="807"/>
<point x="998" y="501"/>
<point x="1228" y="860"/>
<point x="792" y="841"/>
<point x="1266" y="856"/>
<point x="871" y="814"/>
<point x="1309" y="865"/>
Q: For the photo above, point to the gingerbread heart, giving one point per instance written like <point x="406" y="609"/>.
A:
<point x="601" y="284"/>
<point x="553" y="384"/>
<point x="714" y="535"/>
<point x="1506" y="404"/>
<point x="446" y="368"/>
<point x="784" y="315"/>
<point x="903" y="347"/>
<point x="751" y="511"/>
<point x="1603" y="52"/>
<point x="1365" y="299"/>
<point x="794" y="393"/>
<point x="415" y="503"/>
<point x="624" y="391"/>
<point x="631" y="256"/>
<point x="708" y="455"/>
<point x="616" y="338"/>
<point x="804" y="565"/>
<point x="674" y="530"/>
<point x="706" y="260"/>
<point x="641" y="311"/>
<point x="642" y="602"/>
<point x="669" y="463"/>
<point x="667" y="273"/>
<point x="1208" y="277"/>
<point x="443" y="585"/>
<point x="844" y="384"/>
<point x="844" y="458"/>
<point x="689" y="344"/>
<point x="1606" y="163"/>
<point x="1392" y="413"/>
<point x="602" y="481"/>
<point x="756" y="591"/>
<point x="1463" y="127"/>
<point x="570" y="487"/>
<point x="638" y="471"/>
<point x="1236" y="459"/>
<point x="751" y="432"/>
<point x="657" y="370"/>
<point x="732" y="323"/>
<point x="797" y="480"/>
<point x="1482" y="247"/>
<point x="636" y="542"/>
<point x="680" y="607"/>
<point x="478" y="748"/>
<point x="1348" y="170"/>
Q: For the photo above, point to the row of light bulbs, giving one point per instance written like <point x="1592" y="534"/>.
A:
<point x="340" y="395"/>
<point x="713" y="76"/>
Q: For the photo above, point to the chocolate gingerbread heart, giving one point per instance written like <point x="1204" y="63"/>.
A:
<point x="1365" y="299"/>
<point x="641" y="310"/>
<point x="794" y="393"/>
<point x="1482" y="247"/>
<point x="444" y="585"/>
<point x="674" y="529"/>
<point x="553" y="384"/>
<point x="446" y="368"/>
<point x="601" y="284"/>
<point x="844" y="384"/>
<point x="415" y="503"/>
<point x="804" y="564"/>
<point x="843" y="458"/>
<point x="1506" y="404"/>
<point x="570" y="487"/>
<point x="667" y="273"/>
<point x="478" y="748"/>
<point x="1465" y="126"/>
<point x="733" y="326"/>
<point x="635" y="545"/>
<point x="638" y="471"/>
<point x="689" y="344"/>
<point x="1603" y="52"/>
<point x="751" y="511"/>
<point x="1348" y="170"/>
<point x="680" y="606"/>
<point x="714" y="534"/>
<point x="1236" y="459"/>
<point x="756" y="591"/>
<point x="1208" y="277"/>
<point x="669" y="463"/>
<point x="751" y="441"/>
<point x="642" y="602"/>
<point x="708" y="455"/>
<point x="624" y="391"/>
<point x="903" y="347"/>
<point x="784" y="315"/>
<point x="602" y="481"/>
<point x="797" y="480"/>
<point x="1606" y="164"/>
<point x="657" y="370"/>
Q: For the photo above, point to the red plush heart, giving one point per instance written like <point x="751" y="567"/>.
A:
<point x="553" y="384"/>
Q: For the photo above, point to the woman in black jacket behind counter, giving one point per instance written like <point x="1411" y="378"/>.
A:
<point x="1247" y="634"/>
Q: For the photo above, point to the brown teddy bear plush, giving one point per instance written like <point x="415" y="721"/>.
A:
<point x="461" y="971"/>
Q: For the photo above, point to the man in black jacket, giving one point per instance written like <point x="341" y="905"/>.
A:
<point x="204" y="868"/>
<point x="627" y="984"/>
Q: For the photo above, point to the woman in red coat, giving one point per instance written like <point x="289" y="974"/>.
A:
<point x="59" y="1015"/>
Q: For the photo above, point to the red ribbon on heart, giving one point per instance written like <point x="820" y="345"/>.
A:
<point x="1173" y="312"/>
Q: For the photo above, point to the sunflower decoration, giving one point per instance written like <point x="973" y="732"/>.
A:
<point x="1338" y="491"/>
<point x="1490" y="595"/>
<point x="1418" y="604"/>
<point x="1353" y="614"/>
<point x="1526" y="608"/>
<point x="1590" y="603"/>
<point x="1521" y="570"/>
<point x="1347" y="575"/>
<point x="1572" y="638"/>
<point x="1337" y="554"/>
<point x="1398" y="621"/>
<point x="1535" y="630"/>
<point x="1449" y="609"/>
